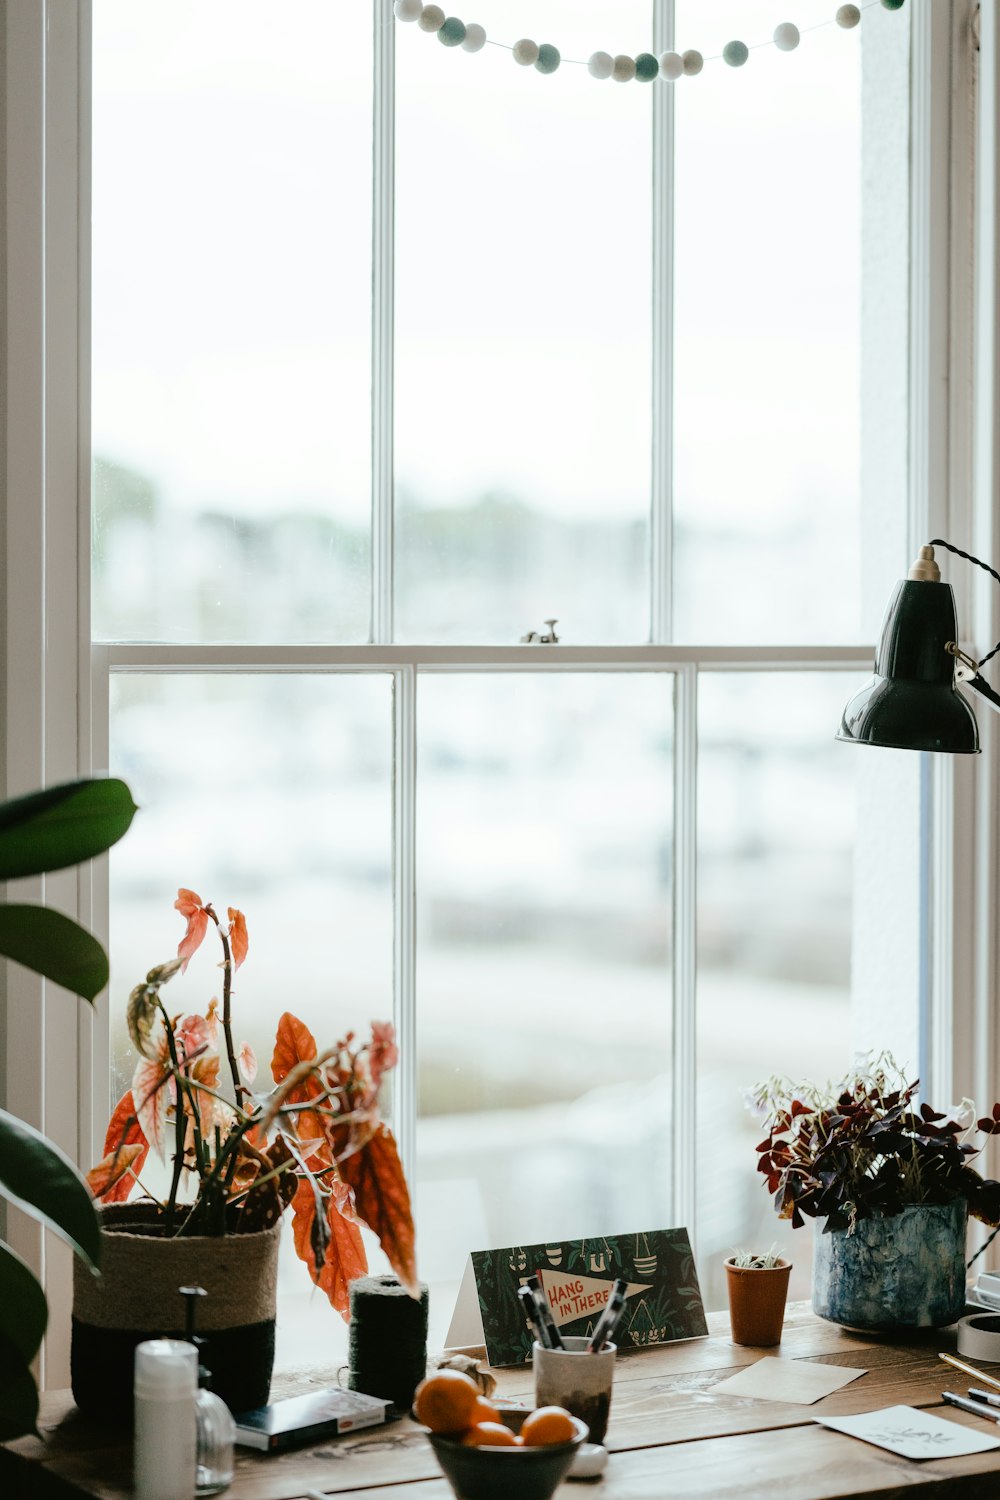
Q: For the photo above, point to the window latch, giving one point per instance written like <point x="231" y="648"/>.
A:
<point x="541" y="637"/>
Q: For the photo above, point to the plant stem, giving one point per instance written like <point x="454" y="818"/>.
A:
<point x="179" y="1124"/>
<point x="227" y="1017"/>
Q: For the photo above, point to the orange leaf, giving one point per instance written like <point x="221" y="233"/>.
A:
<point x="375" y="1172"/>
<point x="238" y="940"/>
<point x="113" y="1169"/>
<point x="293" y="1043"/>
<point x="345" y="1254"/>
<point x="189" y="905"/>
<point x="125" y="1131"/>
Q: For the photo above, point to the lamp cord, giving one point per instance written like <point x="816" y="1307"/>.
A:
<point x="940" y="542"/>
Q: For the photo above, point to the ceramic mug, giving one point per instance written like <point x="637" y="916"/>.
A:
<point x="578" y="1381"/>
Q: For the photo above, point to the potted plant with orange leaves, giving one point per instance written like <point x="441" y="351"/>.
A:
<point x="232" y="1159"/>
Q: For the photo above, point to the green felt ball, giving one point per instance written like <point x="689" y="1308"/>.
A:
<point x="548" y="58"/>
<point x="452" y="33"/>
<point x="893" y="4"/>
<point x="646" y="67"/>
<point x="736" y="53"/>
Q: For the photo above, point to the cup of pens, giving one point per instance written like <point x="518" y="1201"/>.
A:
<point x="575" y="1373"/>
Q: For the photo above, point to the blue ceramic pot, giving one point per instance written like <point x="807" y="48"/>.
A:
<point x="904" y="1270"/>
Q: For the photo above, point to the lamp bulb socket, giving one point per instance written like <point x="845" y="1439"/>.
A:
<point x="925" y="569"/>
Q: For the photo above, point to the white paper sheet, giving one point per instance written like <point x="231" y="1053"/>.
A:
<point x="912" y="1433"/>
<point x="794" y="1380"/>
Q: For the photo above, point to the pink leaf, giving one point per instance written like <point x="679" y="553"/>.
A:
<point x="248" y="1062"/>
<point x="193" y="1035"/>
<point x="151" y="1090"/>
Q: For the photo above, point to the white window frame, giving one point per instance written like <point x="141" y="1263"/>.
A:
<point x="55" y="687"/>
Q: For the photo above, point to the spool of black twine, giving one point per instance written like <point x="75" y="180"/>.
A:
<point x="388" y="1340"/>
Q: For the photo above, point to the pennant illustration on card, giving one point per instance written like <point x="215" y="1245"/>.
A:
<point x="663" y="1300"/>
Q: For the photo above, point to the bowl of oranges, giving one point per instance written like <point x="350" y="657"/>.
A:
<point x="489" y="1454"/>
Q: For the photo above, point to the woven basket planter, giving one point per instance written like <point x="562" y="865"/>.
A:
<point x="136" y="1297"/>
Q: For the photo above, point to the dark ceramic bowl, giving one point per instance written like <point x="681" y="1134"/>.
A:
<point x="505" y="1473"/>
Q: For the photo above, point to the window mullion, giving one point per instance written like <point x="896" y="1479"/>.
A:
<point x="404" y="911"/>
<point x="662" y="290"/>
<point x="684" y="1059"/>
<point x="383" y="277"/>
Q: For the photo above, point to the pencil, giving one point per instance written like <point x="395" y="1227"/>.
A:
<point x="973" y="1370"/>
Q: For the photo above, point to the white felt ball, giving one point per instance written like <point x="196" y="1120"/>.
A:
<point x="671" y="66"/>
<point x="475" y="38"/>
<point x="525" y="52"/>
<point x="786" y="36"/>
<point x="624" y="68"/>
<point x="693" y="62"/>
<point x="431" y="18"/>
<point x="848" y="16"/>
<point x="407" y="10"/>
<point x="601" y="65"/>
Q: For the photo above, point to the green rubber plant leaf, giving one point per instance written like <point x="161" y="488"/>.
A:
<point x="18" y="1394"/>
<point x="62" y="826"/>
<point x="23" y="1312"/>
<point x="54" y="946"/>
<point x="39" y="1178"/>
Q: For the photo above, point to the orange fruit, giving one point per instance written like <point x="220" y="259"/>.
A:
<point x="483" y="1412"/>
<point x="490" y="1435"/>
<point x="446" y="1401"/>
<point x="547" y="1424"/>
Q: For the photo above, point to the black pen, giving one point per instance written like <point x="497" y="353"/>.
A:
<point x="610" y="1317"/>
<point x="544" y="1312"/>
<point x="976" y="1407"/>
<point x="534" y="1322"/>
<point x="990" y="1398"/>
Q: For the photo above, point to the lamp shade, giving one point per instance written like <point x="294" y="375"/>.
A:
<point x="912" y="703"/>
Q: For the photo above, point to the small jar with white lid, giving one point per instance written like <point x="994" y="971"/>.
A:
<point x="166" y="1383"/>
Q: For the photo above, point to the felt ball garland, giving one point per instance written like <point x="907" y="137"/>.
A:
<point x="623" y="68"/>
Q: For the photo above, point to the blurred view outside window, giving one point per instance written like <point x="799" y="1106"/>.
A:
<point x="776" y="836"/>
<point x="234" y="177"/>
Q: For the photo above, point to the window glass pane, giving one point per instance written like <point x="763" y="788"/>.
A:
<point x="523" y="331"/>
<point x="272" y="794"/>
<point x="776" y="826"/>
<point x="544" y="989"/>
<point x="231" y="323"/>
<point x="767" y="313"/>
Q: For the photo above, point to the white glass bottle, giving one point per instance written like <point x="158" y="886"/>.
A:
<point x="166" y="1374"/>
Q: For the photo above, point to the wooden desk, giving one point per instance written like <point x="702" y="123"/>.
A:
<point x="669" y="1436"/>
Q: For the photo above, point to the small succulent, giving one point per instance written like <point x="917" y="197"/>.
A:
<point x="749" y="1260"/>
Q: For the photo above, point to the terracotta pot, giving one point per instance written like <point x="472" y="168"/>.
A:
<point x="136" y="1297"/>
<point x="757" y="1302"/>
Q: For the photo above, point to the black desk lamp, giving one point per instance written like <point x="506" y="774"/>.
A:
<point x="912" y="702"/>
